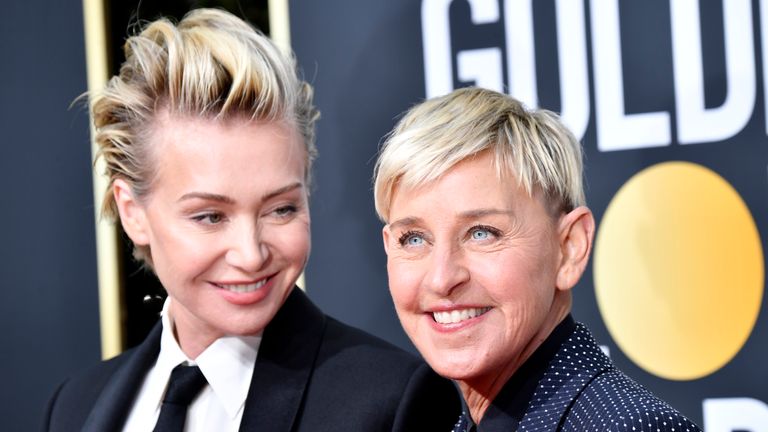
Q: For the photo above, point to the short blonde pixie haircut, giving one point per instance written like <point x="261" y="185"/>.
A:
<point x="210" y="65"/>
<point x="437" y="134"/>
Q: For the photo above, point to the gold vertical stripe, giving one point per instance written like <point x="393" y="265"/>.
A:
<point x="110" y="310"/>
<point x="279" y="24"/>
<point x="280" y="33"/>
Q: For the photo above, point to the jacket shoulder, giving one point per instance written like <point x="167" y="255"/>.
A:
<point x="71" y="402"/>
<point x="341" y="341"/>
<point x="353" y="357"/>
<point x="615" y="402"/>
<point x="381" y="386"/>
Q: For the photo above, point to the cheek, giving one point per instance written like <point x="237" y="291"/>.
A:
<point x="174" y="251"/>
<point x="185" y="260"/>
<point x="509" y="278"/>
<point x="292" y="242"/>
<point x="495" y="272"/>
<point x="403" y="285"/>
<point x="526" y="291"/>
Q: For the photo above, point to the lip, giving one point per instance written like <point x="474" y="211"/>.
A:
<point x="461" y="325"/>
<point x="241" y="298"/>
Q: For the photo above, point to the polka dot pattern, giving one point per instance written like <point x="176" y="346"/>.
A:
<point x="582" y="391"/>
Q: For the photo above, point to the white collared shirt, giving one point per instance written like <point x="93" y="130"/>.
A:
<point x="227" y="365"/>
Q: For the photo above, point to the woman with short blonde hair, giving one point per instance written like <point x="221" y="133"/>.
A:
<point x="486" y="234"/>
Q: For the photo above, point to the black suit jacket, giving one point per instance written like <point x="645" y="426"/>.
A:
<point x="312" y="373"/>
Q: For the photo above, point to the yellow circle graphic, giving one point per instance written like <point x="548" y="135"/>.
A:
<point x="678" y="270"/>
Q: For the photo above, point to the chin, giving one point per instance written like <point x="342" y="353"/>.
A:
<point x="246" y="327"/>
<point x="457" y="366"/>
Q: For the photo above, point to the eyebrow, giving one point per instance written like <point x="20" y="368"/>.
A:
<point x="473" y="214"/>
<point x="407" y="221"/>
<point x="206" y="196"/>
<point x="282" y="190"/>
<point x="470" y="214"/>
<point x="227" y="200"/>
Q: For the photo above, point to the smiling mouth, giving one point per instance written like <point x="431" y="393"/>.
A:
<point x="459" y="315"/>
<point x="243" y="288"/>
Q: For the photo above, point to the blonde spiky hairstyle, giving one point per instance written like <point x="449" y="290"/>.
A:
<point x="437" y="134"/>
<point x="210" y="65"/>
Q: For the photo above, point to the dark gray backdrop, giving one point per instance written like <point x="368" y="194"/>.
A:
<point x="48" y="301"/>
<point x="364" y="59"/>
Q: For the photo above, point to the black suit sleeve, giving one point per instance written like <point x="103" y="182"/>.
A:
<point x="72" y="401"/>
<point x="429" y="403"/>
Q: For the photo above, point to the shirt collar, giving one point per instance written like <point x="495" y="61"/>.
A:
<point x="509" y="406"/>
<point x="227" y="363"/>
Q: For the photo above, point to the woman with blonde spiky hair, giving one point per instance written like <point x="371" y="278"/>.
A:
<point x="207" y="134"/>
<point x="486" y="234"/>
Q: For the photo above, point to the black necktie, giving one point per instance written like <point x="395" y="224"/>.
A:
<point x="185" y="384"/>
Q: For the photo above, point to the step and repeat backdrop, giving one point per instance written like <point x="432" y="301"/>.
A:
<point x="669" y="100"/>
<point x="49" y="311"/>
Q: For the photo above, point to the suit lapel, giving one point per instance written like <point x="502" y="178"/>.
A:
<point x="284" y="364"/>
<point x="574" y="366"/>
<point x="111" y="408"/>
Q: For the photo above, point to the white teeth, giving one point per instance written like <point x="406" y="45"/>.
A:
<point x="456" y="316"/>
<point x="244" y="288"/>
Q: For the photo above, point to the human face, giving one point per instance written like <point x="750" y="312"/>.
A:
<point x="473" y="265"/>
<point x="227" y="223"/>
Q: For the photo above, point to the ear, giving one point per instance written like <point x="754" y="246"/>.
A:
<point x="577" y="229"/>
<point x="133" y="216"/>
<point x="385" y="237"/>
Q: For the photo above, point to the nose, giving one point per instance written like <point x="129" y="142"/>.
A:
<point x="447" y="270"/>
<point x="247" y="249"/>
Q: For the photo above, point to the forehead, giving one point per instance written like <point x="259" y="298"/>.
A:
<point x="185" y="132"/>
<point x="473" y="188"/>
<point x="207" y="154"/>
<point x="471" y="184"/>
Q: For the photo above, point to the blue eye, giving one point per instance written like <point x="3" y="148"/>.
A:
<point x="411" y="238"/>
<point x="481" y="233"/>
<point x="415" y="240"/>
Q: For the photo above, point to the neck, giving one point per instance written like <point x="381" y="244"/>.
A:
<point x="479" y="392"/>
<point x="192" y="338"/>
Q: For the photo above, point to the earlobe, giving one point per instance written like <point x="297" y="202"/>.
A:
<point x="132" y="214"/>
<point x="577" y="230"/>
